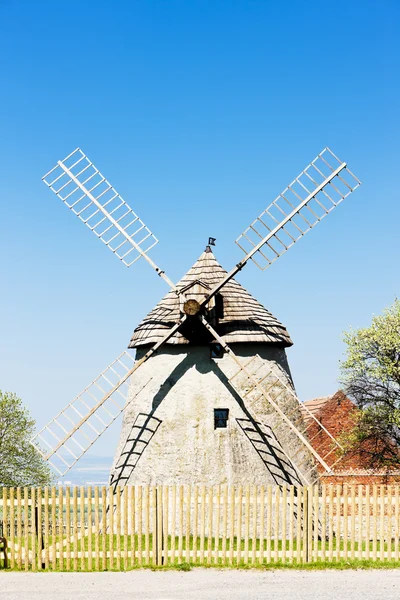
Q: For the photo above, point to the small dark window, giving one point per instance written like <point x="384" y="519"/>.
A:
<point x="216" y="351"/>
<point x="221" y="417"/>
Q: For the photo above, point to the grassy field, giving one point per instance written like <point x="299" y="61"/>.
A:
<point x="140" y="542"/>
<point x="115" y="553"/>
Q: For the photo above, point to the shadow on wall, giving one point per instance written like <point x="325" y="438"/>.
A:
<point x="146" y="425"/>
<point x="140" y="435"/>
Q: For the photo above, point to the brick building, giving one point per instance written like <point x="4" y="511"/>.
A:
<point x="337" y="414"/>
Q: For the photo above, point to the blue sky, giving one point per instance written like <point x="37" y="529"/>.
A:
<point x="199" y="113"/>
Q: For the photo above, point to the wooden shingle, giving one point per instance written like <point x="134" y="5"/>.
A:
<point x="244" y="318"/>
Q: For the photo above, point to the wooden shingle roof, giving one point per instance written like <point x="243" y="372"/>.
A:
<point x="244" y="318"/>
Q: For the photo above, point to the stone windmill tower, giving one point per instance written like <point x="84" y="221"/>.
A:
<point x="208" y="397"/>
<point x="191" y="426"/>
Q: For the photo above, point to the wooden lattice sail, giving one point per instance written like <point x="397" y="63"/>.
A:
<point x="207" y="308"/>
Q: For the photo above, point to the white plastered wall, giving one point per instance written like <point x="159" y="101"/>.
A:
<point x="168" y="434"/>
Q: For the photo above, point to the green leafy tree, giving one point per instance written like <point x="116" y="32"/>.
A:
<point x="371" y="378"/>
<point x="20" y="464"/>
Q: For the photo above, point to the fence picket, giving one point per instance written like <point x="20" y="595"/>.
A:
<point x="360" y="506"/>
<point x="353" y="522"/>
<point x="173" y="525"/>
<point x="154" y="524"/>
<point x="277" y="507"/>
<point x="89" y="519"/>
<point x="284" y="507"/>
<point x="345" y="521"/>
<point x="53" y="529"/>
<point x="246" y="524"/>
<point x="217" y="519"/>
<point x="132" y="510"/>
<point x="382" y="523"/>
<point x="59" y="544"/>
<point x="291" y="523"/>
<point x="262" y="523"/>
<point x="110" y="510"/>
<point x="254" y="535"/>
<point x="46" y="528"/>
<point x="313" y="506"/>
<point x="299" y="520"/>
<point x="367" y="521"/>
<point x="5" y="518"/>
<point x="269" y="522"/>
<point x="330" y="542"/>
<point x="202" y="523"/>
<point x="82" y="527"/>
<point x="338" y="520"/>
<point x="180" y="531"/>
<point x="12" y="527"/>
<point x="374" y="520"/>
<point x="96" y="528"/>
<point x="118" y="525"/>
<point x="19" y="529"/>
<point x="33" y="528"/>
<point x="75" y="526"/>
<point x="396" y="524"/>
<point x="187" y="536"/>
<point x="209" y="525"/>
<point x="239" y="525"/>
<point x="224" y="525"/>
<point x="389" y="522"/>
<point x="104" y="528"/>
<point x="26" y="529"/>
<point x="232" y="525"/>
<point x="308" y="514"/>
<point x="304" y="523"/>
<point x="146" y="506"/>
<point x="125" y="517"/>
<point x="165" y="523"/>
<point x="159" y="524"/>
<point x="323" y="524"/>
<point x="139" y="526"/>
<point x="67" y="523"/>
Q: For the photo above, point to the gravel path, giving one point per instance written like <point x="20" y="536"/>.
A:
<point x="202" y="584"/>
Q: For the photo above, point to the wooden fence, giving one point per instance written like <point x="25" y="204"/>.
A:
<point x="96" y="528"/>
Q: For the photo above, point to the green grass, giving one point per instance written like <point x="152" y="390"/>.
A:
<point x="140" y="541"/>
<point x="340" y="565"/>
<point x="271" y="560"/>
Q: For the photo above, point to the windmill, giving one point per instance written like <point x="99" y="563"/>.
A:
<point x="193" y="310"/>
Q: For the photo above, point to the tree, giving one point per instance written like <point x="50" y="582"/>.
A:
<point x="371" y="378"/>
<point x="20" y="463"/>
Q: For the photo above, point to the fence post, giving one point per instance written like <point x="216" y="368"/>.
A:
<point x="4" y="529"/>
<point x="307" y="523"/>
<point x="38" y="526"/>
<point x="158" y="542"/>
<point x="310" y="528"/>
<point x="304" y="491"/>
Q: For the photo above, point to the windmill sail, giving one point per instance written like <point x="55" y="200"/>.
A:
<point x="307" y="200"/>
<point x="76" y="428"/>
<point x="263" y="385"/>
<point x="92" y="198"/>
<point x="312" y="195"/>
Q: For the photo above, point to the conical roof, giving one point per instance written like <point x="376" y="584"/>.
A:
<point x="244" y="318"/>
